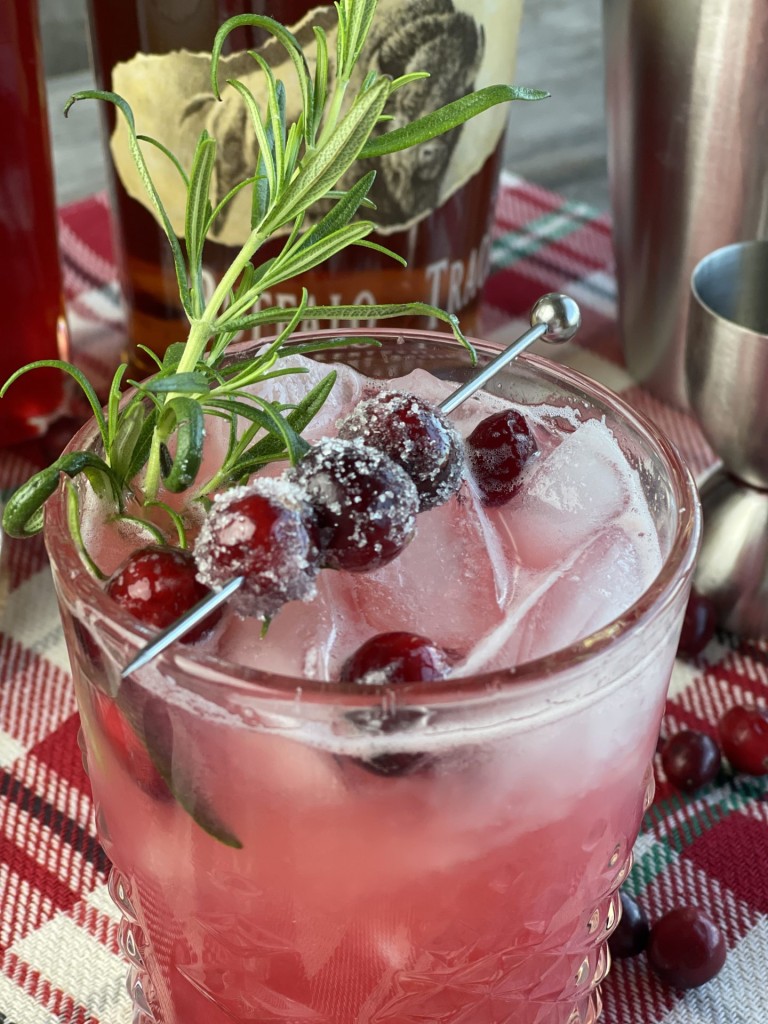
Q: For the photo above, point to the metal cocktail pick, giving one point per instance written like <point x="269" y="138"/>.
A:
<point x="555" y="318"/>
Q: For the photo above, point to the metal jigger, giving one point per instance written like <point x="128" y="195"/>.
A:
<point x="726" y="367"/>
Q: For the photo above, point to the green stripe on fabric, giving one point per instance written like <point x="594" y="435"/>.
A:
<point x="648" y="866"/>
<point x="680" y="835"/>
<point x="518" y="245"/>
<point x="550" y="227"/>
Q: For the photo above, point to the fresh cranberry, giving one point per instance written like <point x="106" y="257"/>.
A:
<point x="416" y="436"/>
<point x="699" y="625"/>
<point x="396" y="657"/>
<point x="384" y="660"/>
<point x="264" y="532"/>
<point x="630" y="936"/>
<point x="376" y="722"/>
<point x="744" y="737"/>
<point x="686" y="949"/>
<point x="129" y="750"/>
<point x="498" y="450"/>
<point x="364" y="504"/>
<point x="691" y="760"/>
<point x="157" y="585"/>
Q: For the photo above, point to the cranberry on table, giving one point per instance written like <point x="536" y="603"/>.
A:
<point x="630" y="936"/>
<point x="699" y="623"/>
<point x="396" y="657"/>
<point x="744" y="738"/>
<point x="686" y="948"/>
<point x="264" y="532"/>
<point x="691" y="759"/>
<point x="157" y="585"/>
<point x="364" y="504"/>
<point x="498" y="449"/>
<point x="415" y="435"/>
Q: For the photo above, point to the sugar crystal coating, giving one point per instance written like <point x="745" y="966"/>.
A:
<point x="263" y="531"/>
<point x="417" y="436"/>
<point x="364" y="504"/>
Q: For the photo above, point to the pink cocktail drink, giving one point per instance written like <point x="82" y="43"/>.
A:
<point x="288" y="848"/>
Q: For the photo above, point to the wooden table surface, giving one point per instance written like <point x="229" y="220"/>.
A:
<point x="559" y="143"/>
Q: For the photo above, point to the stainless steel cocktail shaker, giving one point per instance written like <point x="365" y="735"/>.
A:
<point x="686" y="90"/>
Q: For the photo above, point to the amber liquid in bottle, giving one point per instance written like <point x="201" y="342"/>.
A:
<point x="447" y="249"/>
<point x="30" y="281"/>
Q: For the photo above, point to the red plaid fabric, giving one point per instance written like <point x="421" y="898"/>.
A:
<point x="59" y="961"/>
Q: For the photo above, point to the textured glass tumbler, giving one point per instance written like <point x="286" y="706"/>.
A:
<point x="289" y="881"/>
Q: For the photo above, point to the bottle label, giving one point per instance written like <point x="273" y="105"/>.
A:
<point x="463" y="44"/>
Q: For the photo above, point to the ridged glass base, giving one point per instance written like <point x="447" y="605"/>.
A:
<point x="583" y="989"/>
<point x="132" y="943"/>
<point x="591" y="973"/>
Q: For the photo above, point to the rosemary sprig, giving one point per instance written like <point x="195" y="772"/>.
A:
<point x="299" y="165"/>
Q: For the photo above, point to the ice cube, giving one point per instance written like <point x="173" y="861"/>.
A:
<point x="464" y="417"/>
<point x="452" y="581"/>
<point x="305" y="639"/>
<point x="578" y="487"/>
<point x="590" y="587"/>
<point x="291" y="388"/>
<point x="604" y="580"/>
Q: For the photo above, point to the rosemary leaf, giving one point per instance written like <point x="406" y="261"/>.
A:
<point x="282" y="34"/>
<point x="447" y="117"/>
<point x="326" y="165"/>
<point x="77" y="375"/>
<point x="146" y="180"/>
<point x="198" y="212"/>
<point x="184" y="418"/>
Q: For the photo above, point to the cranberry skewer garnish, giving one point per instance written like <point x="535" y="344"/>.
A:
<point x="554" y="318"/>
<point x="265" y="533"/>
<point x="364" y="504"/>
<point x="415" y="435"/>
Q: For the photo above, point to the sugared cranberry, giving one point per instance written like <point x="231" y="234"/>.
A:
<point x="129" y="750"/>
<point x="396" y="657"/>
<point x="497" y="450"/>
<point x="364" y="504"/>
<point x="744" y="737"/>
<point x="415" y="435"/>
<point x="691" y="759"/>
<point x="157" y="585"/>
<point x="384" y="660"/>
<point x="699" y="625"/>
<point x="630" y="936"/>
<point x="686" y="949"/>
<point x="264" y="532"/>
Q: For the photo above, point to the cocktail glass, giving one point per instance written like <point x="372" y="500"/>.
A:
<point x="466" y="874"/>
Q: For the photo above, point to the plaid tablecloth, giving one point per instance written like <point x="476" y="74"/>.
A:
<point x="59" y="960"/>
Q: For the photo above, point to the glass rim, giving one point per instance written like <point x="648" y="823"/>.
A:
<point x="211" y="669"/>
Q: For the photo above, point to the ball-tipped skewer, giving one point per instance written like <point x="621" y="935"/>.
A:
<point x="555" y="318"/>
